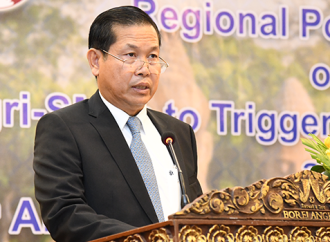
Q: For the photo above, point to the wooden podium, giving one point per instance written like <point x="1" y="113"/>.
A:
<point x="295" y="208"/>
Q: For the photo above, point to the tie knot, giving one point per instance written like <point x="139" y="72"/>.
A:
<point x="134" y="124"/>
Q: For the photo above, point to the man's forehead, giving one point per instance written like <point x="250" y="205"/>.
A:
<point x="117" y="29"/>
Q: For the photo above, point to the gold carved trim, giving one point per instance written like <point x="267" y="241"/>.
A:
<point x="191" y="234"/>
<point x="220" y="233"/>
<point x="323" y="235"/>
<point x="135" y="238"/>
<point x="302" y="234"/>
<point x="248" y="233"/>
<point x="160" y="235"/>
<point x="303" y="190"/>
<point x="272" y="234"/>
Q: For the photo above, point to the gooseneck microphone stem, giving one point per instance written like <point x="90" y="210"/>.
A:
<point x="184" y="197"/>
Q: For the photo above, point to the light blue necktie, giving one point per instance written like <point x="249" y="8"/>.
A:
<point x="144" y="164"/>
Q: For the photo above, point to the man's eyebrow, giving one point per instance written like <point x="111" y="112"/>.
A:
<point x="132" y="46"/>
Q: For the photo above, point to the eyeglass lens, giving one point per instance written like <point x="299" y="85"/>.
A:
<point x="154" y="68"/>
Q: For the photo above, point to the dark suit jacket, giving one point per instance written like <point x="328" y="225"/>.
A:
<point x="86" y="180"/>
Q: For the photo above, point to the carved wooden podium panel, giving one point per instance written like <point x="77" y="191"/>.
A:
<point x="294" y="208"/>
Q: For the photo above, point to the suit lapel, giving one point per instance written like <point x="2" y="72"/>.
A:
<point x="106" y="125"/>
<point x="162" y="127"/>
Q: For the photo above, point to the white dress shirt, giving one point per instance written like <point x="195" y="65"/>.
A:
<point x="165" y="171"/>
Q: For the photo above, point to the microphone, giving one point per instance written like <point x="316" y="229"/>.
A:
<point x="168" y="139"/>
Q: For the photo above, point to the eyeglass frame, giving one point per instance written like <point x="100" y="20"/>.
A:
<point x="166" y="64"/>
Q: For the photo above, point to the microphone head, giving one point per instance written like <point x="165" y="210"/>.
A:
<point x="168" y="137"/>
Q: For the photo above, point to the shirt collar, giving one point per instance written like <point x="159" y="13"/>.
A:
<point x="121" y="117"/>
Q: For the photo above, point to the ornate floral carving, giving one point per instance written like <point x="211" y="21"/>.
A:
<point x="311" y="181"/>
<point x="248" y="234"/>
<point x="302" y="234"/>
<point x="323" y="235"/>
<point x="215" y="201"/>
<point x="220" y="234"/>
<point x="160" y="235"/>
<point x="273" y="195"/>
<point x="276" y="234"/>
<point x="282" y="190"/>
<point x="135" y="238"/>
<point x="191" y="234"/>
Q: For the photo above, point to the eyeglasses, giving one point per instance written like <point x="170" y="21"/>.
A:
<point x="133" y="64"/>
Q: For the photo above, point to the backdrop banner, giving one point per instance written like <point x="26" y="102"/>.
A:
<point x="251" y="77"/>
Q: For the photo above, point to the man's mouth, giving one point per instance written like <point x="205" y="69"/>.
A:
<point x="141" y="87"/>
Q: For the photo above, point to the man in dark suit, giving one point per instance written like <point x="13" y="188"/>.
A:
<point x="87" y="178"/>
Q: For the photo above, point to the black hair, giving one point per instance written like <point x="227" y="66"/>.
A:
<point x="101" y="34"/>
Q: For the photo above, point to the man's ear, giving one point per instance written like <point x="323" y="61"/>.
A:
<point x="93" y="57"/>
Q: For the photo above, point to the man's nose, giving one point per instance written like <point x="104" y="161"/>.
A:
<point x="143" y="68"/>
